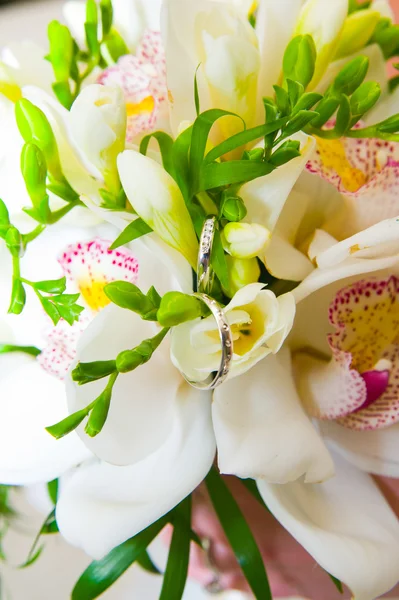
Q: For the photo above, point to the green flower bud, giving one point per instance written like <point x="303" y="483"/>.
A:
<point x="14" y="242"/>
<point x="234" y="208"/>
<point x="35" y="128"/>
<point x="4" y="218"/>
<point x="300" y="59"/>
<point x="34" y="172"/>
<point x="107" y="16"/>
<point x="358" y="29"/>
<point x="364" y="98"/>
<point x="351" y="76"/>
<point x="99" y="414"/>
<point x="61" y="50"/>
<point x="241" y="272"/>
<point x="18" y="298"/>
<point x="178" y="308"/>
<point x="289" y="150"/>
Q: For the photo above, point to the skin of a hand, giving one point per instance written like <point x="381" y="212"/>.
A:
<point x="291" y="570"/>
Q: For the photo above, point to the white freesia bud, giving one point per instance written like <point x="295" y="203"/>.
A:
<point x="157" y="199"/>
<point x="324" y="21"/>
<point x="357" y="31"/>
<point x="259" y="321"/>
<point x="98" y="127"/>
<point x="245" y="240"/>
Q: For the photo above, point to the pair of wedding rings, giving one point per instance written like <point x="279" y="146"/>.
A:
<point x="204" y="286"/>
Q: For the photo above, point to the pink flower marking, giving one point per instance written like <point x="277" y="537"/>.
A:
<point x="143" y="81"/>
<point x="88" y="266"/>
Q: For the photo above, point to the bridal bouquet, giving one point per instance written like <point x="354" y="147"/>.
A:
<point x="200" y="262"/>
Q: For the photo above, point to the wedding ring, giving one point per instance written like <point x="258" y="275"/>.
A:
<point x="226" y="341"/>
<point x="204" y="271"/>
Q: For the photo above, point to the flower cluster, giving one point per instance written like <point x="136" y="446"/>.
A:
<point x="277" y="120"/>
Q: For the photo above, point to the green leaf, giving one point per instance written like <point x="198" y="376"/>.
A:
<point x="61" y="429"/>
<point x="253" y="489"/>
<point x="179" y="308"/>
<point x="390" y="125"/>
<point x="49" y="527"/>
<point x="88" y="372"/>
<point x="91" y="30"/>
<point x="300" y="59"/>
<point x="180" y="158"/>
<point x="218" y="260"/>
<point x="175" y="577"/>
<point x="337" y="583"/>
<point x="242" y="138"/>
<point x="101" y="574"/>
<point x="145" y="562"/>
<point x="201" y="130"/>
<point x="52" y="286"/>
<point x="4" y="214"/>
<point x="133" y="231"/>
<point x="129" y="296"/>
<point x="165" y="143"/>
<point x="52" y="488"/>
<point x="239" y="535"/>
<point x="32" y="350"/>
<point x="216" y="175"/>
<point x="196" y="93"/>
<point x="65" y="299"/>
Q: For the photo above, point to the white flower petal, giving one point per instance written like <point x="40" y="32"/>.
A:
<point x="275" y="25"/>
<point x="376" y="452"/>
<point x="29" y="66"/>
<point x="31" y="400"/>
<point x="265" y="197"/>
<point x="101" y="505"/>
<point x="262" y="430"/>
<point x="345" y="524"/>
<point x="143" y="401"/>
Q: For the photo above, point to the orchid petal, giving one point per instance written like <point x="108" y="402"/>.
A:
<point x="375" y="452"/>
<point x="31" y="400"/>
<point x="345" y="524"/>
<point x="101" y="506"/>
<point x="262" y="430"/>
<point x="130" y="433"/>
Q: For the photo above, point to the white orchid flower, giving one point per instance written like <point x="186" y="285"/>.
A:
<point x="346" y="381"/>
<point x="131" y="19"/>
<point x="22" y="64"/>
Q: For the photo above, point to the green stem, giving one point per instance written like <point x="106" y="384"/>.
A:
<point x="59" y="214"/>
<point x="29" y="237"/>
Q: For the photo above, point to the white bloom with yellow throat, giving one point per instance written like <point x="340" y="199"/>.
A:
<point x="260" y="323"/>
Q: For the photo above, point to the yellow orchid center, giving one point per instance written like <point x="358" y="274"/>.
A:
<point x="334" y="157"/>
<point x="93" y="294"/>
<point x="137" y="108"/>
<point x="10" y="90"/>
